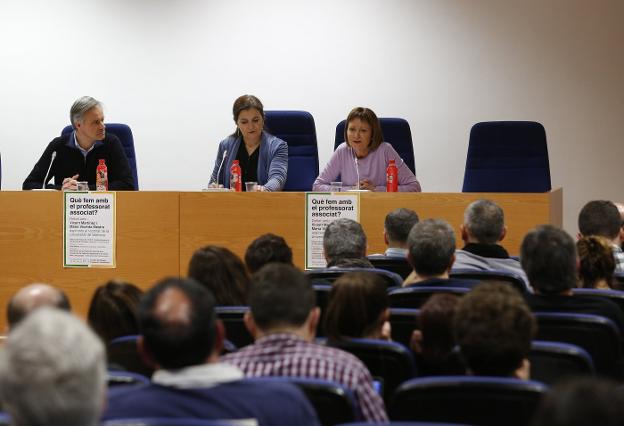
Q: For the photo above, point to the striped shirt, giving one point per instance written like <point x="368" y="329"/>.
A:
<point x="284" y="354"/>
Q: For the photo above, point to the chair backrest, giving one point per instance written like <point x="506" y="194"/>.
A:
<point x="507" y="156"/>
<point x="390" y="362"/>
<point x="403" y="321"/>
<point x="599" y="336"/>
<point x="616" y="296"/>
<point x="235" y="330"/>
<point x="322" y="297"/>
<point x="396" y="131"/>
<point x="398" y="265"/>
<point x="125" y="378"/>
<point x="468" y="399"/>
<point x="552" y="362"/>
<point x="508" y="277"/>
<point x="297" y="129"/>
<point x="124" y="134"/>
<point x="331" y="274"/>
<point x="415" y="297"/>
<point x="332" y="402"/>
<point x="123" y="352"/>
<point x="165" y="421"/>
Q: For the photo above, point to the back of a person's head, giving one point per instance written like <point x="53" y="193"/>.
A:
<point x="399" y="223"/>
<point x="177" y="322"/>
<point x="34" y="296"/>
<point x="431" y="247"/>
<point x="582" y="401"/>
<point x="436" y="325"/>
<point x="114" y="310"/>
<point x="548" y="257"/>
<point x="267" y="248"/>
<point x="494" y="328"/>
<point x="600" y="217"/>
<point x="281" y="296"/>
<point x="596" y="261"/>
<point x="357" y="302"/>
<point x="52" y="371"/>
<point x="344" y="239"/>
<point x="221" y="272"/>
<point x="485" y="221"/>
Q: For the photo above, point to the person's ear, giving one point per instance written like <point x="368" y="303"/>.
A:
<point x="250" y="324"/>
<point x="219" y="337"/>
<point x="464" y="232"/>
<point x="503" y="234"/>
<point x="451" y="264"/>
<point x="416" y="341"/>
<point x="524" y="371"/>
<point x="386" y="242"/>
<point x="312" y="322"/>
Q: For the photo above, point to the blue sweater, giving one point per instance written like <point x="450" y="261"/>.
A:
<point x="272" y="161"/>
<point x="268" y="403"/>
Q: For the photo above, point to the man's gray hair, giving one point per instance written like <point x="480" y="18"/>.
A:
<point x="485" y="221"/>
<point x="431" y="247"/>
<point x="399" y="223"/>
<point x="344" y="239"/>
<point x="80" y="107"/>
<point x="52" y="371"/>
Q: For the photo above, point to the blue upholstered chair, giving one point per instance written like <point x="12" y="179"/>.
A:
<point x="398" y="265"/>
<point x="233" y="321"/>
<point x="507" y="156"/>
<point x="329" y="275"/>
<point x="396" y="131"/>
<point x="415" y="297"/>
<point x="616" y="296"/>
<point x="507" y="277"/>
<point x="599" y="336"/>
<point x="403" y="321"/>
<point x="298" y="130"/>
<point x="474" y="400"/>
<point x="122" y="352"/>
<point x="552" y="362"/>
<point x="390" y="362"/>
<point x="123" y="132"/>
<point x="165" y="421"/>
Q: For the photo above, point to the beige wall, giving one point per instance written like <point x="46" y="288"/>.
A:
<point x="171" y="69"/>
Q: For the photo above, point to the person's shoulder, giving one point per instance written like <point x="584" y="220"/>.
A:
<point x="336" y="356"/>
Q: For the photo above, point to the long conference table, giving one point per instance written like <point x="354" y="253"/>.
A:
<point x="157" y="232"/>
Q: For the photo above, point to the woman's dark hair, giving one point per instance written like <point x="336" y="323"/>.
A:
<point x="356" y="305"/>
<point x="113" y="311"/>
<point x="221" y="272"/>
<point x="596" y="261"/>
<point x="368" y="116"/>
<point x="243" y="103"/>
<point x="436" y="325"/>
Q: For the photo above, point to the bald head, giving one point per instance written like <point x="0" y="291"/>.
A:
<point x="177" y="322"/>
<point x="33" y="296"/>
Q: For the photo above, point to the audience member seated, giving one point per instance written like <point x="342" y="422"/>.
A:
<point x="344" y="245"/>
<point x="265" y="249"/>
<point x="52" y="371"/>
<point x="494" y="328"/>
<point x="597" y="265"/>
<point x="221" y="272"/>
<point x="434" y="341"/>
<point x="358" y="307"/>
<point x="114" y="313"/>
<point x="283" y="319"/>
<point x="182" y="338"/>
<point x="548" y="256"/>
<point x="602" y="219"/>
<point x="397" y="225"/>
<point x="31" y="297"/>
<point x="582" y="401"/>
<point x="431" y="254"/>
<point x="482" y="231"/>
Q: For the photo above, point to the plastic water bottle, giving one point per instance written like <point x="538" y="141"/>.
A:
<point x="236" y="183"/>
<point x="101" y="176"/>
<point x="392" y="177"/>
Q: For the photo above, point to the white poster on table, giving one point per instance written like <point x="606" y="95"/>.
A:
<point x="89" y="237"/>
<point x="322" y="208"/>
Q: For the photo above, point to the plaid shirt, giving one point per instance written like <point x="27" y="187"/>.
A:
<point x="618" y="255"/>
<point x="283" y="354"/>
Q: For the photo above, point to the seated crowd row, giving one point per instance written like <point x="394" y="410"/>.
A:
<point x="52" y="368"/>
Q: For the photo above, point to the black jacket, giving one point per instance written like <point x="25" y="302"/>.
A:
<point x="69" y="161"/>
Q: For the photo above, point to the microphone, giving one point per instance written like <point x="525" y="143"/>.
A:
<point x="45" y="179"/>
<point x="220" y="166"/>
<point x="357" y="169"/>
